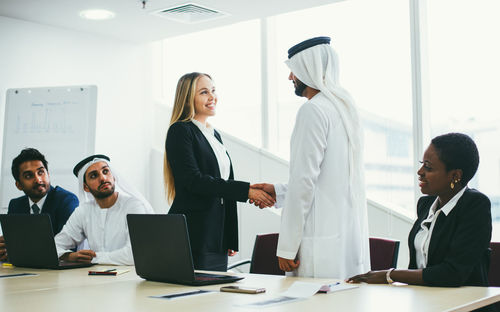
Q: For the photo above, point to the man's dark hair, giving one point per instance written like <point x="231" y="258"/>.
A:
<point x="27" y="154"/>
<point x="458" y="151"/>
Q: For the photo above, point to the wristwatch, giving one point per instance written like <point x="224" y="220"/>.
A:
<point x="388" y="276"/>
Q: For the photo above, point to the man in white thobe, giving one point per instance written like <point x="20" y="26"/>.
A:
<point x="102" y="216"/>
<point x="324" y="229"/>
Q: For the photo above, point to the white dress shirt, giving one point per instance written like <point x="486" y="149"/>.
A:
<point x="219" y="149"/>
<point x="423" y="236"/>
<point x="39" y="203"/>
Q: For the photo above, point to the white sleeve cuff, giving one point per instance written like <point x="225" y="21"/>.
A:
<point x="280" y="190"/>
<point x="286" y="254"/>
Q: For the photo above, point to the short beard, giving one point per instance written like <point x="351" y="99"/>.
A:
<point x="101" y="195"/>
<point x="299" y="87"/>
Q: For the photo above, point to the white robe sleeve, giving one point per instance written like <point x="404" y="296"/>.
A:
<point x="72" y="233"/>
<point x="123" y="255"/>
<point x="307" y="148"/>
<point x="280" y="189"/>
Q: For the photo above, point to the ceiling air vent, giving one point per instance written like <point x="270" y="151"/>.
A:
<point x="189" y="13"/>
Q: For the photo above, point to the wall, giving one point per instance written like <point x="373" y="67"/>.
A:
<point x="34" y="55"/>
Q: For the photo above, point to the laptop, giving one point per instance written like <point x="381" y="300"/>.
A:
<point x="162" y="252"/>
<point x="30" y="242"/>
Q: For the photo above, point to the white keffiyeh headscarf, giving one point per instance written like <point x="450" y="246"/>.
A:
<point x="317" y="67"/>
<point x="121" y="185"/>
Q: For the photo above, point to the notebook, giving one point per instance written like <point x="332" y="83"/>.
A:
<point x="162" y="253"/>
<point x="30" y="242"/>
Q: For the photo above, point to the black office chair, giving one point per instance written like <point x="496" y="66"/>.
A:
<point x="383" y="253"/>
<point x="264" y="260"/>
<point x="494" y="272"/>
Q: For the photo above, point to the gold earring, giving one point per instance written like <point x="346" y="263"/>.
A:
<point x="452" y="185"/>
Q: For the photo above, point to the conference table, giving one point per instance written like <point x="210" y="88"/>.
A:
<point x="74" y="290"/>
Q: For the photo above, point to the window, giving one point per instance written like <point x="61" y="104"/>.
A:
<point x="372" y="39"/>
<point x="463" y="83"/>
<point x="231" y="55"/>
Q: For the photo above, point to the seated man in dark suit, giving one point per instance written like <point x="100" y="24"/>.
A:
<point x="31" y="173"/>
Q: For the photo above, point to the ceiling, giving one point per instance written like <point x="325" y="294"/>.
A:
<point x="133" y="23"/>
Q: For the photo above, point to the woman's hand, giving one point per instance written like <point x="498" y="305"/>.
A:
<point x="372" y="277"/>
<point x="260" y="196"/>
<point x="231" y="252"/>
<point x="266" y="187"/>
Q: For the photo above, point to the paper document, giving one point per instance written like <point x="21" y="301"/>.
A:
<point x="302" y="290"/>
<point x="270" y="302"/>
<point x="326" y="289"/>
<point x="298" y="291"/>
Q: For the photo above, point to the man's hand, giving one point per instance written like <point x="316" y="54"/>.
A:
<point x="3" y="250"/>
<point x="231" y="252"/>
<point x="288" y="265"/>
<point x="266" y="187"/>
<point x="85" y="256"/>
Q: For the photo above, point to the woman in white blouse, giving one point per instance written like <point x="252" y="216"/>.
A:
<point x="198" y="175"/>
<point x="449" y="241"/>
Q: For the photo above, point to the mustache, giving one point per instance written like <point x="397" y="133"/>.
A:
<point x="36" y="185"/>
<point x="104" y="183"/>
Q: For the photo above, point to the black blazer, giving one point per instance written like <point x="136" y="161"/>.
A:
<point x="59" y="205"/>
<point x="207" y="200"/>
<point x="458" y="250"/>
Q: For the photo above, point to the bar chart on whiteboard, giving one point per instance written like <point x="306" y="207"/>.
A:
<point x="58" y="121"/>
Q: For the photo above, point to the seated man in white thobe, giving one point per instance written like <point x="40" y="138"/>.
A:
<point x="101" y="217"/>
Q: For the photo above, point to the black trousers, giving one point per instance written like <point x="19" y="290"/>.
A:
<point x="210" y="261"/>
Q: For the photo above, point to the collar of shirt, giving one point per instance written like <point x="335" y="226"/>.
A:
<point x="448" y="207"/>
<point x="39" y="203"/>
<point x="204" y="128"/>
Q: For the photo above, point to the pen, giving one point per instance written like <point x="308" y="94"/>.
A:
<point x="107" y="272"/>
<point x="16" y="274"/>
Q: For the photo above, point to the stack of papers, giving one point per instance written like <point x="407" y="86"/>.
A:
<point x="301" y="291"/>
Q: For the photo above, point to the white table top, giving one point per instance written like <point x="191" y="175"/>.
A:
<point x="74" y="290"/>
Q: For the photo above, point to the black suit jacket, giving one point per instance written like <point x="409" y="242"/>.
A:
<point x="458" y="250"/>
<point x="207" y="200"/>
<point x="59" y="205"/>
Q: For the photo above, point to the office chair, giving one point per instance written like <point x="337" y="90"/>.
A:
<point x="494" y="269"/>
<point x="494" y="273"/>
<point x="383" y="253"/>
<point x="264" y="260"/>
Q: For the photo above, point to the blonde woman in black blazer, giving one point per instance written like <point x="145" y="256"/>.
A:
<point x="450" y="239"/>
<point x="199" y="178"/>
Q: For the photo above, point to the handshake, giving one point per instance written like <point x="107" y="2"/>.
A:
<point x="262" y="195"/>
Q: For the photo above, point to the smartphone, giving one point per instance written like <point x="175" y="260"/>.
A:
<point x="243" y="289"/>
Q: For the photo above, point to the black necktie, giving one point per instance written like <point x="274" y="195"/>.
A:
<point x="35" y="208"/>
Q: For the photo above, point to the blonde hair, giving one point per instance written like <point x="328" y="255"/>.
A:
<point x="183" y="111"/>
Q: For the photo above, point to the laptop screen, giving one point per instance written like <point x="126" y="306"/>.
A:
<point x="29" y="240"/>
<point x="161" y="249"/>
